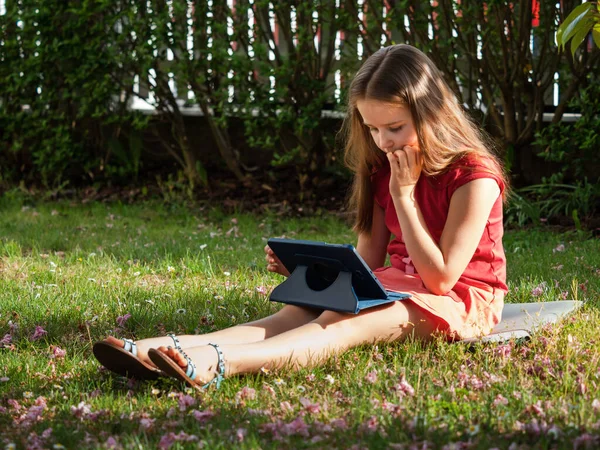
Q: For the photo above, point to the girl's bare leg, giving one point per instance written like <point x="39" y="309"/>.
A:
<point x="309" y="344"/>
<point x="285" y="319"/>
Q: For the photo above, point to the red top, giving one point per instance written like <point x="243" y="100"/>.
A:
<point x="433" y="194"/>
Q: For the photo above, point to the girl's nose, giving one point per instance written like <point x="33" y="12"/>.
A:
<point x="385" y="143"/>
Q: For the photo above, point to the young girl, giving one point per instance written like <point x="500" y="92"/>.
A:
<point x="423" y="176"/>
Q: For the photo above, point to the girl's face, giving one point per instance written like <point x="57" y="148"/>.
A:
<point x="391" y="126"/>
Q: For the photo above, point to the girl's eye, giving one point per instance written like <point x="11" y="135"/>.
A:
<point x="393" y="130"/>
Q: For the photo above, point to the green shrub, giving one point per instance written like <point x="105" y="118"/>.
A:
<point x="575" y="146"/>
<point x="59" y="104"/>
<point x="73" y="65"/>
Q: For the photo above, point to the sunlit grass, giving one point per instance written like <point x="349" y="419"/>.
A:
<point x="74" y="269"/>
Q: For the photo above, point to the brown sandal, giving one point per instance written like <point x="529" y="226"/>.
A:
<point x="124" y="360"/>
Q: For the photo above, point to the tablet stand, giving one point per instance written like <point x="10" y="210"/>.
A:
<point x="298" y="290"/>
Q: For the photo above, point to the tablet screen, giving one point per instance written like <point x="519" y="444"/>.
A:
<point x="324" y="262"/>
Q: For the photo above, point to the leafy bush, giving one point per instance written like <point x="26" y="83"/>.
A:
<point x="575" y="146"/>
<point x="521" y="211"/>
<point x="578" y="202"/>
<point x="573" y="190"/>
<point x="73" y="64"/>
<point x="59" y="105"/>
<point x="290" y="84"/>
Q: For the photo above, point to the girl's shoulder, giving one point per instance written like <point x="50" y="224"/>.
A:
<point x="474" y="161"/>
<point x="472" y="166"/>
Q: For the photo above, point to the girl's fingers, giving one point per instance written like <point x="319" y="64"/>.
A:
<point x="402" y="157"/>
<point x="393" y="159"/>
<point x="390" y="157"/>
<point x="412" y="154"/>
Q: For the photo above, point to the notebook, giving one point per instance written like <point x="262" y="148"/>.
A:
<point x="327" y="276"/>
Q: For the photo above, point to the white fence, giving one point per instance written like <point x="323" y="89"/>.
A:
<point x="145" y="101"/>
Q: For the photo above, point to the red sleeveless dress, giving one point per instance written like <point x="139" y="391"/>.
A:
<point x="474" y="305"/>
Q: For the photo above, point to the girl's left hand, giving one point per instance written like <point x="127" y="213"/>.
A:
<point x="406" y="165"/>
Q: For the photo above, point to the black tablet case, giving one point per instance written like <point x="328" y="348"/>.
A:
<point x="327" y="276"/>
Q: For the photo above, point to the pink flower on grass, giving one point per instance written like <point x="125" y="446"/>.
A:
<point x="500" y="400"/>
<point x="586" y="440"/>
<point x="536" y="409"/>
<point x="6" y="340"/>
<point x="262" y="290"/>
<point x="370" y="425"/>
<point x="35" y="442"/>
<point x="122" y="319"/>
<point x="309" y="406"/>
<point x="38" y="333"/>
<point x="538" y="290"/>
<point x="281" y="429"/>
<point x="167" y="440"/>
<point x="270" y="390"/>
<point x="15" y="405"/>
<point x="286" y="406"/>
<point x="246" y="393"/>
<point x="296" y="426"/>
<point x="202" y="416"/>
<point x="112" y="443"/>
<point x="185" y="401"/>
<point x="371" y="377"/>
<point x="405" y="388"/>
<point x="503" y="350"/>
<point x="147" y="423"/>
<point x="339" y="423"/>
<point x="240" y="434"/>
<point x="81" y="411"/>
<point x="57" y="352"/>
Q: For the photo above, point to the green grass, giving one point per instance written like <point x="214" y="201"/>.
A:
<point x="73" y="269"/>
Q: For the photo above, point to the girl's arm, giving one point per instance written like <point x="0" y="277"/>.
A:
<point x="373" y="247"/>
<point x="440" y="266"/>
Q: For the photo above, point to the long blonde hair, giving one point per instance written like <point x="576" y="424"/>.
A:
<point x="401" y="74"/>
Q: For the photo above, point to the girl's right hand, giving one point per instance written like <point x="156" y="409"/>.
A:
<point x="274" y="264"/>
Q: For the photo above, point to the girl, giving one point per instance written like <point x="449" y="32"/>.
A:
<point x="422" y="175"/>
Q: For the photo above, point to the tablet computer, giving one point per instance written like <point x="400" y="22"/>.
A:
<point x="328" y="271"/>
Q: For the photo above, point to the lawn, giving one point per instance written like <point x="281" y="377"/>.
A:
<point x="73" y="273"/>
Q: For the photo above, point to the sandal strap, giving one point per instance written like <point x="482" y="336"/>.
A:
<point x="176" y="342"/>
<point x="220" y="365"/>
<point x="129" y="346"/>
<point x="190" y="370"/>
